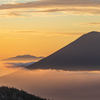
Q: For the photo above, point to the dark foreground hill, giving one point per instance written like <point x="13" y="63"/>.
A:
<point x="15" y="94"/>
<point x="82" y="54"/>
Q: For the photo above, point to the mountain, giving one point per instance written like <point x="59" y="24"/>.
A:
<point x="23" y="57"/>
<point x="82" y="54"/>
<point x="15" y="94"/>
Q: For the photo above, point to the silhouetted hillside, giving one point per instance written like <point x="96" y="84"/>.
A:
<point x="82" y="54"/>
<point x="15" y="94"/>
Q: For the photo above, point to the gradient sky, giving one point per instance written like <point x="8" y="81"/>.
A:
<point x="40" y="27"/>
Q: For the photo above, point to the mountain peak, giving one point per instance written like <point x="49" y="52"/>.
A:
<point x="94" y="32"/>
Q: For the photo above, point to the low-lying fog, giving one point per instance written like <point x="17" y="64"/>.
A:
<point x="52" y="84"/>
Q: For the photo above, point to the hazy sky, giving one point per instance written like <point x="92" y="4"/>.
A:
<point x="40" y="27"/>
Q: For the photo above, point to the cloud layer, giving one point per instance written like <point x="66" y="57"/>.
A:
<point x="90" y="7"/>
<point x="19" y="65"/>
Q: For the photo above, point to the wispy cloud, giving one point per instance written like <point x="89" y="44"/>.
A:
<point x="90" y="23"/>
<point x="52" y="4"/>
<point x="19" y="31"/>
<point x="36" y="32"/>
<point x="64" y="33"/>
<point x="18" y="65"/>
<point x="26" y="9"/>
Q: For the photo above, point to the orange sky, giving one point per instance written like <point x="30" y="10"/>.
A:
<point x="44" y="26"/>
<point x="39" y="45"/>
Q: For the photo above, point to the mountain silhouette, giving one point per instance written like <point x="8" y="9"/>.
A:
<point x="23" y="57"/>
<point x="82" y="54"/>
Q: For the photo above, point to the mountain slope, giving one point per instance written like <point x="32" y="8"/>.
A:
<point x="82" y="54"/>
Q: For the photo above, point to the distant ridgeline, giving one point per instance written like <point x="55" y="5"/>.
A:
<point x="15" y="94"/>
<point x="23" y="57"/>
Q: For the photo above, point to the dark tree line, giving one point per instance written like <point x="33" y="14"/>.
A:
<point x="8" y="93"/>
